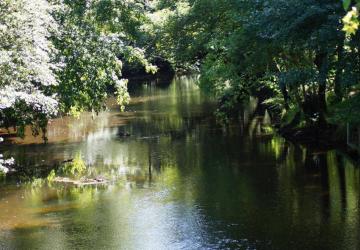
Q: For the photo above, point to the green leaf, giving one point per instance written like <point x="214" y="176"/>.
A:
<point x="346" y="4"/>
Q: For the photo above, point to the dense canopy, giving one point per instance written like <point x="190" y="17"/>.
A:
<point x="294" y="51"/>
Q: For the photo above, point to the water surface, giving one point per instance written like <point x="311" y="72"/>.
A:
<point x="178" y="180"/>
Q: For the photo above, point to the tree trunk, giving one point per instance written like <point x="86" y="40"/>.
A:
<point x="285" y="94"/>
<point x="321" y="61"/>
<point x="339" y="69"/>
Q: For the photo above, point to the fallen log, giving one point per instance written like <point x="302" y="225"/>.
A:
<point x="81" y="182"/>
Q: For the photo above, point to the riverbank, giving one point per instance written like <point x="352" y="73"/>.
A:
<point x="321" y="141"/>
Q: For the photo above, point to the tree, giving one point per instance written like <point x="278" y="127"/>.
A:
<point x="293" y="54"/>
<point x="65" y="56"/>
<point x="26" y="64"/>
<point x="97" y="37"/>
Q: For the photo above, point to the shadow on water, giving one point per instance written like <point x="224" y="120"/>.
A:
<point x="179" y="180"/>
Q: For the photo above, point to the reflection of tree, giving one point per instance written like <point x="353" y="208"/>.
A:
<point x="326" y="182"/>
<point x="341" y="171"/>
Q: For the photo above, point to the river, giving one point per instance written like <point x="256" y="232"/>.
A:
<point x="178" y="180"/>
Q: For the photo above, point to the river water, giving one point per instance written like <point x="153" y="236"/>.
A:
<point x="178" y="180"/>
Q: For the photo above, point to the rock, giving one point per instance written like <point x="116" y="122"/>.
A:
<point x="123" y="134"/>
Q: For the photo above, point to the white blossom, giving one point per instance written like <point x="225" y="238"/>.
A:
<point x="26" y="54"/>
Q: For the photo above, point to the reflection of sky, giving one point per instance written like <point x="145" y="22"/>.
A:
<point x="158" y="225"/>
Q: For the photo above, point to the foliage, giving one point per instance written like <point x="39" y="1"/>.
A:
<point x="74" y="168"/>
<point x="96" y="39"/>
<point x="293" y="54"/>
<point x="351" y="19"/>
<point x="347" y="111"/>
<point x="51" y="176"/>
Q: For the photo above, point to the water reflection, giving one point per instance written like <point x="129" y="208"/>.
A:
<point x="180" y="181"/>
